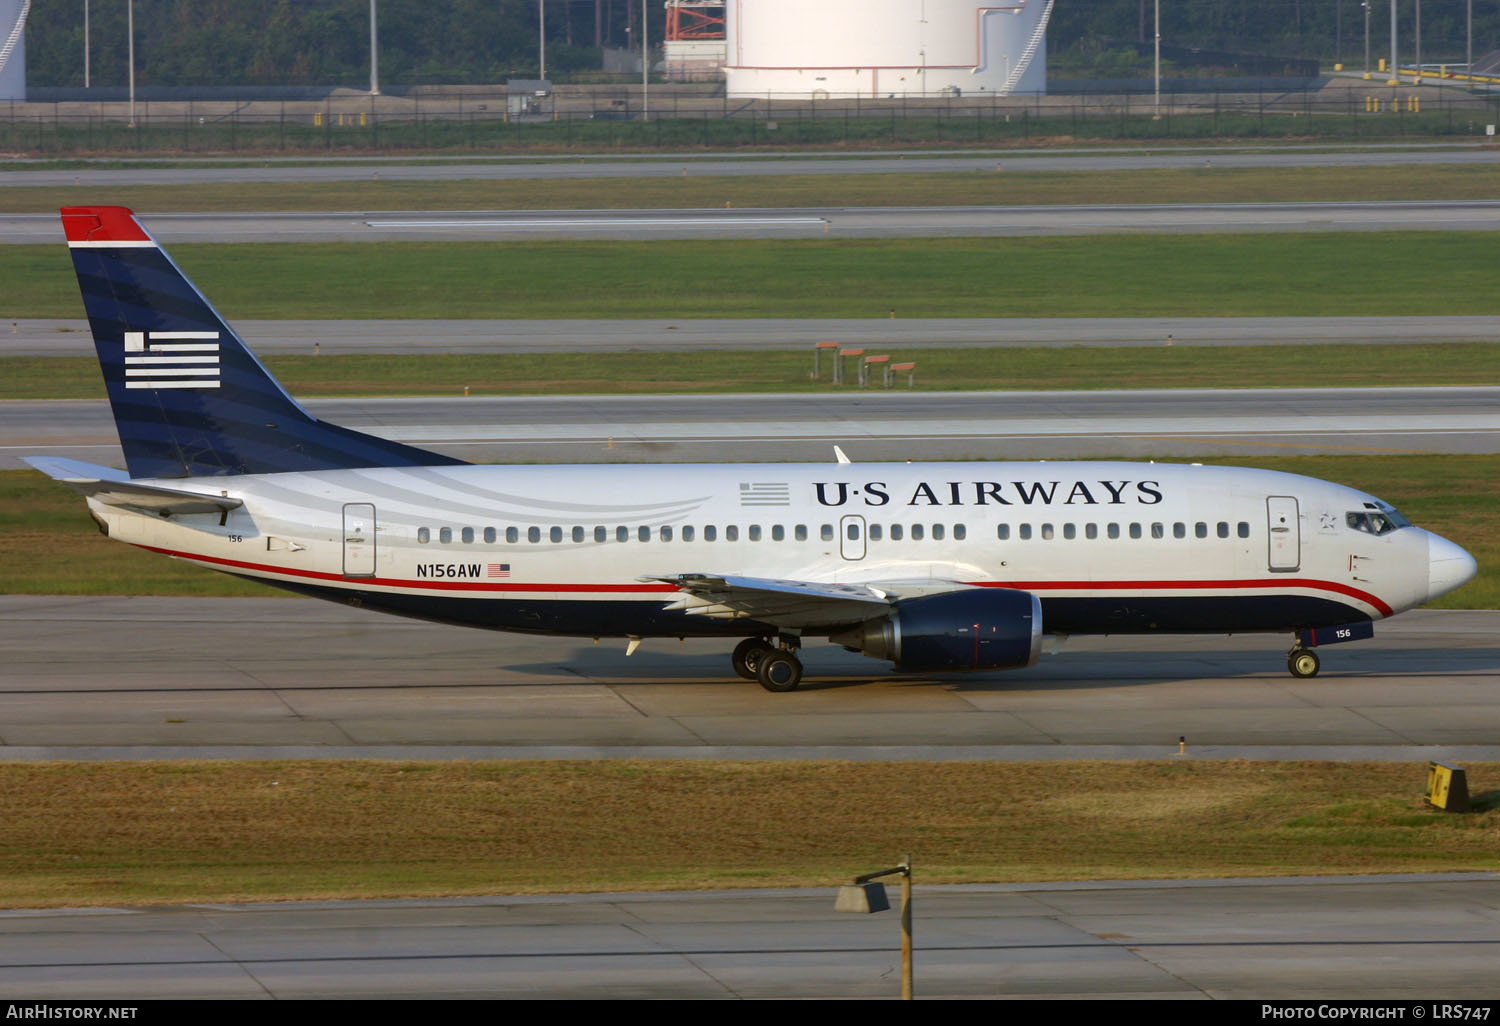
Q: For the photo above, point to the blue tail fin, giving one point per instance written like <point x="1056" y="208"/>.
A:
<point x="189" y="398"/>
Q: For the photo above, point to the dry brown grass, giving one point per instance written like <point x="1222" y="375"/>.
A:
<point x="198" y="831"/>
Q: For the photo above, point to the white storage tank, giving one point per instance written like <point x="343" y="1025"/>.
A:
<point x="13" y="49"/>
<point x="881" y="48"/>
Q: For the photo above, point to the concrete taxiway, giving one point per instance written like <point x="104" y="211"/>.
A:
<point x="140" y="677"/>
<point x="47" y="336"/>
<point x="823" y="222"/>
<point x="871" y="425"/>
<point x="1367" y="938"/>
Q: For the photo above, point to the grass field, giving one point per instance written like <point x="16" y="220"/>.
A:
<point x="123" y="834"/>
<point x="1002" y="368"/>
<point x="1302" y="274"/>
<point x="48" y="544"/>
<point x="1007" y="184"/>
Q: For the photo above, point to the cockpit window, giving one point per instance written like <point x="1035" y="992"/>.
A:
<point x="1376" y="522"/>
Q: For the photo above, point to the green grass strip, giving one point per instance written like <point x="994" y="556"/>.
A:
<point x="1297" y="274"/>
<point x="48" y="544"/>
<point x="731" y="371"/>
<point x="80" y="834"/>
<point x="1007" y="183"/>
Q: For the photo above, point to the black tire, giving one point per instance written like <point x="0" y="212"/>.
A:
<point x="1302" y="663"/>
<point x="747" y="657"/>
<point x="779" y="671"/>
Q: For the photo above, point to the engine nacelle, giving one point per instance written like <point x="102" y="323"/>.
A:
<point x="973" y="629"/>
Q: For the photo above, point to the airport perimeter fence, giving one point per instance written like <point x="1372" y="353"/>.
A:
<point x="676" y="118"/>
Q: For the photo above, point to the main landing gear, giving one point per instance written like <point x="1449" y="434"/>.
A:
<point x="1302" y="662"/>
<point x="775" y="669"/>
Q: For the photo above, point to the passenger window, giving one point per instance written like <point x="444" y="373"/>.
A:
<point x="875" y="532"/>
<point x="1069" y="531"/>
<point x="445" y="535"/>
<point x="512" y="534"/>
<point x="1003" y="532"/>
<point x="731" y="533"/>
<point x="1200" y="530"/>
<point x="622" y="534"/>
<point x="826" y="532"/>
<point x="666" y="534"/>
<point x="960" y="532"/>
<point x="1091" y="531"/>
<point x="1046" y="532"/>
<point x="1179" y="530"/>
<point x="1244" y="529"/>
<point x="533" y="534"/>
<point x="852" y="530"/>
<point x="555" y="534"/>
<point x="755" y="532"/>
<point x="710" y="532"/>
<point x="1114" y="530"/>
<point x="896" y="532"/>
<point x="489" y="536"/>
<point x="600" y="534"/>
<point x="917" y="534"/>
<point x="1223" y="529"/>
<point x="1158" y="531"/>
<point x="424" y="535"/>
<point x="778" y="533"/>
<point x="937" y="532"/>
<point x="643" y="534"/>
<point x="801" y="532"/>
<point x="578" y="534"/>
<point x="467" y="534"/>
<point x="1135" y="530"/>
<point x="687" y="534"/>
<point x="1025" y="532"/>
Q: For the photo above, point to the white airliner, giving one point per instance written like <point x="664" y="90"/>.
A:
<point x="935" y="567"/>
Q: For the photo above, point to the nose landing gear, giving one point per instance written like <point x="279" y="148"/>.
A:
<point x="1302" y="662"/>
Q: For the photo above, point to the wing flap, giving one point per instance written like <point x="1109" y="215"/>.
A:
<point x="792" y="604"/>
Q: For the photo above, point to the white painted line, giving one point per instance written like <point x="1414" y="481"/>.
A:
<point x="610" y="222"/>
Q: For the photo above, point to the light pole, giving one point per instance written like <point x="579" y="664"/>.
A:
<point x="374" y="53"/>
<point x="1156" y="5"/>
<point x="541" y="30"/>
<point x="85" y="44"/>
<point x="861" y="895"/>
<point x="1366" y="6"/>
<point x="130" y="32"/>
<point x="1395" y="78"/>
<point x="645" y="68"/>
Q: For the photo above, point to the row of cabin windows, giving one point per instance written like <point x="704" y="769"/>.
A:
<point x="1135" y="530"/>
<point x="688" y="532"/>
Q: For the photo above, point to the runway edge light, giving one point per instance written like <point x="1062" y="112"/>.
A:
<point x="1447" y="787"/>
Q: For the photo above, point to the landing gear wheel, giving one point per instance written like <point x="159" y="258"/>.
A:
<point x="747" y="657"/>
<point x="779" y="670"/>
<point x="1302" y="662"/>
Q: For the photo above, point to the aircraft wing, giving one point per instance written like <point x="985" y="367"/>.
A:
<point x="115" y="488"/>
<point x="800" y="605"/>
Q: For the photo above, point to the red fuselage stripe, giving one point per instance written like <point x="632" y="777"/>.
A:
<point x="667" y="589"/>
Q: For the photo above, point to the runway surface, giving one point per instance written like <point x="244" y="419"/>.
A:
<point x="71" y="337"/>
<point x="111" y="677"/>
<point x="1339" y="938"/>
<point x="872" y="426"/>
<point x="849" y="222"/>
<point x="741" y="164"/>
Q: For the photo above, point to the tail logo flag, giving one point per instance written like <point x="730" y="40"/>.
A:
<point x="171" y="359"/>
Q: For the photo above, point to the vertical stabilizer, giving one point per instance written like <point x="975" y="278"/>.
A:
<point x="189" y="398"/>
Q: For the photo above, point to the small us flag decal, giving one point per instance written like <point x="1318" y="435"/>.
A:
<point x="497" y="569"/>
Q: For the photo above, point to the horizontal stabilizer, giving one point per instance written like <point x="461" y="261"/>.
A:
<point x="115" y="488"/>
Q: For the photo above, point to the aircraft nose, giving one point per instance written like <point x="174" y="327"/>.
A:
<point x="1448" y="566"/>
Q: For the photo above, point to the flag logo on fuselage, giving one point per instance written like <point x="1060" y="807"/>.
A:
<point x="171" y="359"/>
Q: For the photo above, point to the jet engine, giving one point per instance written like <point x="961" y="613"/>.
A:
<point x="973" y="629"/>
